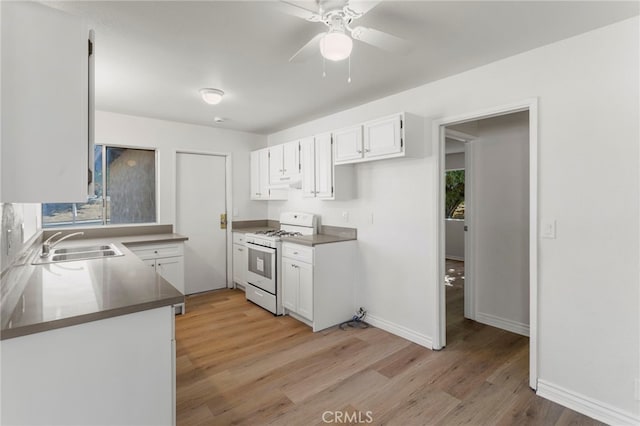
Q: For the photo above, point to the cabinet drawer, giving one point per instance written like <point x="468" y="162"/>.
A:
<point x="157" y="250"/>
<point x="261" y="297"/>
<point x="298" y="252"/>
<point x="238" y="238"/>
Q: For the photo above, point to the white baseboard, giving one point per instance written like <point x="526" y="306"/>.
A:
<point x="400" y="330"/>
<point x="448" y="256"/>
<point x="503" y="323"/>
<point x="583" y="404"/>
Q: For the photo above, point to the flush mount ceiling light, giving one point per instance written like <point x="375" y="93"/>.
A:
<point x="336" y="45"/>
<point x="211" y="96"/>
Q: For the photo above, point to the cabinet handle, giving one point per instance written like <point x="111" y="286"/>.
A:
<point x="359" y="151"/>
<point x="367" y="150"/>
<point x="240" y="249"/>
<point x="156" y="251"/>
<point x="295" y="252"/>
<point x="285" y="178"/>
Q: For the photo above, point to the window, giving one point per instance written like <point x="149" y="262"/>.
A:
<point x="454" y="186"/>
<point x="125" y="191"/>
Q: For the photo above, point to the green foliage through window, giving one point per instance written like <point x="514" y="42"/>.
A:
<point x="454" y="199"/>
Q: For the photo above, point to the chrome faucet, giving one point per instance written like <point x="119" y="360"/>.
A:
<point x="46" y="246"/>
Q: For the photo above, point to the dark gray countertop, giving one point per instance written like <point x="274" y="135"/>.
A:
<point x="314" y="240"/>
<point x="63" y="294"/>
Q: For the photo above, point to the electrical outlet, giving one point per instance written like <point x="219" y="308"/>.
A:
<point x="549" y="229"/>
<point x="345" y="216"/>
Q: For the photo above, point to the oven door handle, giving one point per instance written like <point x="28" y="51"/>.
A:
<point x="260" y="248"/>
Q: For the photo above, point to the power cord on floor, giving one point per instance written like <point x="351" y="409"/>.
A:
<point x="356" y="321"/>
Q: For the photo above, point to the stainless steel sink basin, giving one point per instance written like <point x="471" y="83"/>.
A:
<point x="69" y="254"/>
<point x="81" y="249"/>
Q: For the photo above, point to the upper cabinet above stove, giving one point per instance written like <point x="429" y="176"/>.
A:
<point x="47" y="104"/>
<point x="284" y="164"/>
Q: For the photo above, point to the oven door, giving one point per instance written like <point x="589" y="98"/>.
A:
<point x="261" y="271"/>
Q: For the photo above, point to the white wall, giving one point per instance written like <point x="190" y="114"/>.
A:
<point x="588" y="276"/>
<point x="167" y="137"/>
<point x="499" y="220"/>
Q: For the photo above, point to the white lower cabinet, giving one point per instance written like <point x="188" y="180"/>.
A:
<point x="114" y="371"/>
<point x="167" y="260"/>
<point x="240" y="260"/>
<point x="318" y="283"/>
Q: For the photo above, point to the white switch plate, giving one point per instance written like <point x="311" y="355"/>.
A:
<point x="345" y="216"/>
<point x="549" y="229"/>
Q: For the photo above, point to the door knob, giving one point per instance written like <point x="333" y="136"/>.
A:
<point x="223" y="221"/>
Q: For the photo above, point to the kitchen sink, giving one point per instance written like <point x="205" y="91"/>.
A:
<point x="82" y="249"/>
<point x="69" y="254"/>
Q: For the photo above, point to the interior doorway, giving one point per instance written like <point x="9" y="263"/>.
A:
<point x="499" y="282"/>
<point x="201" y="199"/>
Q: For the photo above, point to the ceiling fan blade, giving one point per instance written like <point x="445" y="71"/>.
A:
<point x="360" y="7"/>
<point x="381" y="40"/>
<point x="308" y="50"/>
<point x="297" y="10"/>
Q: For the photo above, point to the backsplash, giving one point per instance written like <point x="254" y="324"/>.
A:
<point x="16" y="220"/>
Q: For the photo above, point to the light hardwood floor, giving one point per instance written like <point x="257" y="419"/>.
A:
<point x="238" y="364"/>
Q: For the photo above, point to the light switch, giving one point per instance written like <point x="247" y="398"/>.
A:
<point x="345" y="216"/>
<point x="549" y="229"/>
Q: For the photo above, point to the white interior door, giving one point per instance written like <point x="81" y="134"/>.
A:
<point x="200" y="200"/>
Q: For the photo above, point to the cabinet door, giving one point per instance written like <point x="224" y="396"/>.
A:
<point x="291" y="160"/>
<point x="263" y="160"/>
<point x="240" y="264"/>
<point x="276" y="166"/>
<point x="150" y="263"/>
<point x="324" y="166"/>
<point x="290" y="284"/>
<point x="45" y="104"/>
<point x="255" y="175"/>
<point x="172" y="270"/>
<point x="383" y="137"/>
<point x="305" y="290"/>
<point x="348" y="144"/>
<point x="308" y="163"/>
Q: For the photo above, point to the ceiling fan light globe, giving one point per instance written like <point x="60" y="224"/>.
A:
<point x="336" y="46"/>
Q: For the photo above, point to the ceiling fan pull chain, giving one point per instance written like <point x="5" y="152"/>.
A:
<point x="324" y="71"/>
<point x="349" y="79"/>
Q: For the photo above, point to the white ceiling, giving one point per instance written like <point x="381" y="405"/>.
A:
<point x="153" y="56"/>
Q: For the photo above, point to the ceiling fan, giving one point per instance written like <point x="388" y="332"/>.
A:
<point x="336" y="43"/>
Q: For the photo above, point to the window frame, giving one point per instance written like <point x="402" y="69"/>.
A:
<point x="104" y="177"/>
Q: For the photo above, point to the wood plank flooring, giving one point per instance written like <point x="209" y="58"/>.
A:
<point x="238" y="364"/>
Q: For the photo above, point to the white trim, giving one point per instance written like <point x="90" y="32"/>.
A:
<point x="399" y="330"/>
<point x="228" y="200"/>
<point x="438" y="135"/>
<point x="503" y="323"/>
<point x="583" y="404"/>
<point x="470" y="233"/>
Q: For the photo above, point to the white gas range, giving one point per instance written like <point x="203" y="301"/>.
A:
<point x="264" y="286"/>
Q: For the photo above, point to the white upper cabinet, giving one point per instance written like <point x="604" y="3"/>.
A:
<point x="260" y="174"/>
<point x="308" y="163"/>
<point x="324" y="166"/>
<point x="348" y="144"/>
<point x="284" y="163"/>
<point x="47" y="104"/>
<point x="379" y="139"/>
<point x="383" y="137"/>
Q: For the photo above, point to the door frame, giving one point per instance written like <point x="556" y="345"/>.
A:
<point x="228" y="200"/>
<point x="438" y="134"/>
